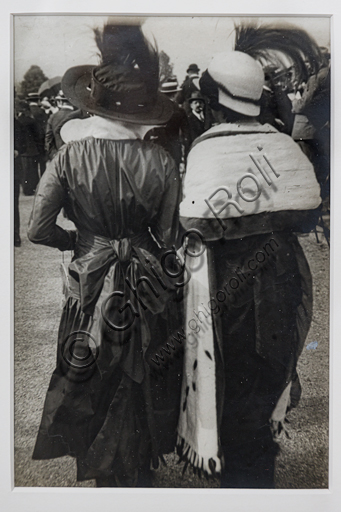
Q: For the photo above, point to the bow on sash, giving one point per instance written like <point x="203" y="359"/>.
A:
<point x="138" y="264"/>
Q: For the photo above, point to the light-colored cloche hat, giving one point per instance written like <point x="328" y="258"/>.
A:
<point x="239" y="79"/>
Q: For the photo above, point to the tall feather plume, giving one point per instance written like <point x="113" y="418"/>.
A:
<point x="122" y="45"/>
<point x="276" y="44"/>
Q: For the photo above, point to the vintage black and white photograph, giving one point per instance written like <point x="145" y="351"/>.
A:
<point x="171" y="251"/>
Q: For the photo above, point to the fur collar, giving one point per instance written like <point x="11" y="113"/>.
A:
<point x="101" y="128"/>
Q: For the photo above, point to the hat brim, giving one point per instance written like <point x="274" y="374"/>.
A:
<point x="170" y="92"/>
<point x="243" y="107"/>
<point x="76" y="87"/>
<point x="196" y="99"/>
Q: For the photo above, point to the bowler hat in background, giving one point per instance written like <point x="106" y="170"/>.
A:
<point x="238" y="80"/>
<point x="125" y="85"/>
<point x="196" y="96"/>
<point x="193" y="68"/>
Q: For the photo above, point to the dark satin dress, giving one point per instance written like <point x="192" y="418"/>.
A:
<point x="102" y="406"/>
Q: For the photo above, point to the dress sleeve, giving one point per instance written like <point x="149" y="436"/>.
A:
<point x="166" y="226"/>
<point x="48" y="202"/>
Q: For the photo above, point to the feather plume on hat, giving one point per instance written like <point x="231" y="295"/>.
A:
<point x="123" y="44"/>
<point x="124" y="86"/>
<point x="274" y="45"/>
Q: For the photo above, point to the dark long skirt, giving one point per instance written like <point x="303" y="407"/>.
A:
<point x="259" y="338"/>
<point x="94" y="411"/>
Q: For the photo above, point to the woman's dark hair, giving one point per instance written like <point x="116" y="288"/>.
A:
<point x="210" y="89"/>
<point x="231" y="116"/>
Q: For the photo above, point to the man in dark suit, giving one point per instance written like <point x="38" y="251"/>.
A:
<point x="197" y="120"/>
<point x="19" y="148"/>
<point x="41" y="118"/>
<point x="30" y="148"/>
<point x="190" y="85"/>
<point x="174" y="135"/>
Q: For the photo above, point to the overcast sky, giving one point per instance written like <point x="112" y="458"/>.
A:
<point x="56" y="42"/>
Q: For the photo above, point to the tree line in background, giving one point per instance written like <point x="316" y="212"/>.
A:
<point x="35" y="76"/>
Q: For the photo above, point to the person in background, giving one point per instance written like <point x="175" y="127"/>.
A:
<point x="198" y="121"/>
<point x="312" y="123"/>
<point x="174" y="136"/>
<point x="189" y="85"/>
<point x="275" y="104"/>
<point x="30" y="156"/>
<point x="41" y="117"/>
<point x="18" y="150"/>
<point x="53" y="140"/>
<point x="46" y="104"/>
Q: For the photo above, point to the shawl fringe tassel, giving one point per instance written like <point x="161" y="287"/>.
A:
<point x="202" y="466"/>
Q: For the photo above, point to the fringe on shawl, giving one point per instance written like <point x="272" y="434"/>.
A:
<point x="202" y="466"/>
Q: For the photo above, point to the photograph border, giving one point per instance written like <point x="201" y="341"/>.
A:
<point x="86" y="499"/>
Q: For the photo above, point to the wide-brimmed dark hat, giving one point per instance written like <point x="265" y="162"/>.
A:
<point x="119" y="96"/>
<point x="125" y="84"/>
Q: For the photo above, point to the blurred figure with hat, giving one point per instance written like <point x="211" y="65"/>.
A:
<point x="41" y="118"/>
<point x="174" y="136"/>
<point x="198" y="121"/>
<point x="30" y="146"/>
<point x="311" y="130"/>
<point x="47" y="104"/>
<point x="53" y="140"/>
<point x="19" y="148"/>
<point x="189" y="85"/>
<point x="193" y="70"/>
<point x="170" y="87"/>
<point x="275" y="103"/>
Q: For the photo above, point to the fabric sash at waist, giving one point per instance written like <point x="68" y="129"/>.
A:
<point x="90" y="269"/>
